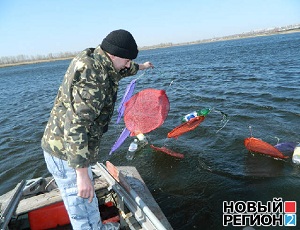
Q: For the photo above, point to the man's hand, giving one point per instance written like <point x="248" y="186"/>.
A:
<point x="84" y="184"/>
<point x="146" y="65"/>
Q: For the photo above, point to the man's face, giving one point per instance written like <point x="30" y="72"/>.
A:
<point x="120" y="63"/>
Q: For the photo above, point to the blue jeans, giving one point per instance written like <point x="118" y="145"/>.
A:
<point x="83" y="215"/>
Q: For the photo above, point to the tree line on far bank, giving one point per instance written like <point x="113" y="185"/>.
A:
<point x="12" y="60"/>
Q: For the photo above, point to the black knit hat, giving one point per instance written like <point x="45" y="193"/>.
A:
<point x="121" y="44"/>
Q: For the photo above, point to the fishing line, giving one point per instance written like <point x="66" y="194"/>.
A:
<point x="224" y="121"/>
<point x="180" y="85"/>
<point x="251" y="134"/>
<point x="250" y="129"/>
<point x="278" y="139"/>
<point x="142" y="74"/>
<point x="274" y="137"/>
<point x="171" y="87"/>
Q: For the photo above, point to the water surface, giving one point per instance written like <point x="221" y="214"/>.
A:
<point x="255" y="81"/>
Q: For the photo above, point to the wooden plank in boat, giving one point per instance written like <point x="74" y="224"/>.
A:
<point x="51" y="197"/>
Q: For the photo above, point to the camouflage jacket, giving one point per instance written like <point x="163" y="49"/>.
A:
<point x="83" y="108"/>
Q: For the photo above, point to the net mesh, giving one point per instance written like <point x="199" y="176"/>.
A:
<point x="146" y="111"/>
<point x="127" y="95"/>
<point x="186" y="127"/>
<point x="259" y="146"/>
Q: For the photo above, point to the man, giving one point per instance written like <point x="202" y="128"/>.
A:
<point x="82" y="110"/>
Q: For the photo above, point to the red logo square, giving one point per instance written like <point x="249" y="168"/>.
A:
<point x="290" y="206"/>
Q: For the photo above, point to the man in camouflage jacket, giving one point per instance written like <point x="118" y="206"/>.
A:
<point x="81" y="113"/>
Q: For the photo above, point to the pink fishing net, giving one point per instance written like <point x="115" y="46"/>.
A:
<point x="146" y="111"/>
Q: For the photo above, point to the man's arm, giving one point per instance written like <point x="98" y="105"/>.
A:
<point x="84" y="184"/>
<point x="146" y="65"/>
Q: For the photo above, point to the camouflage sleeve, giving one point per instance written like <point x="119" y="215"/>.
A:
<point x="87" y="94"/>
<point x="134" y="67"/>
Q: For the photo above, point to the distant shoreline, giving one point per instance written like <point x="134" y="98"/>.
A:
<point x="167" y="45"/>
<point x="225" y="38"/>
<point x="34" y="62"/>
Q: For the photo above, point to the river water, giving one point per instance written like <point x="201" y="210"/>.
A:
<point x="254" y="81"/>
